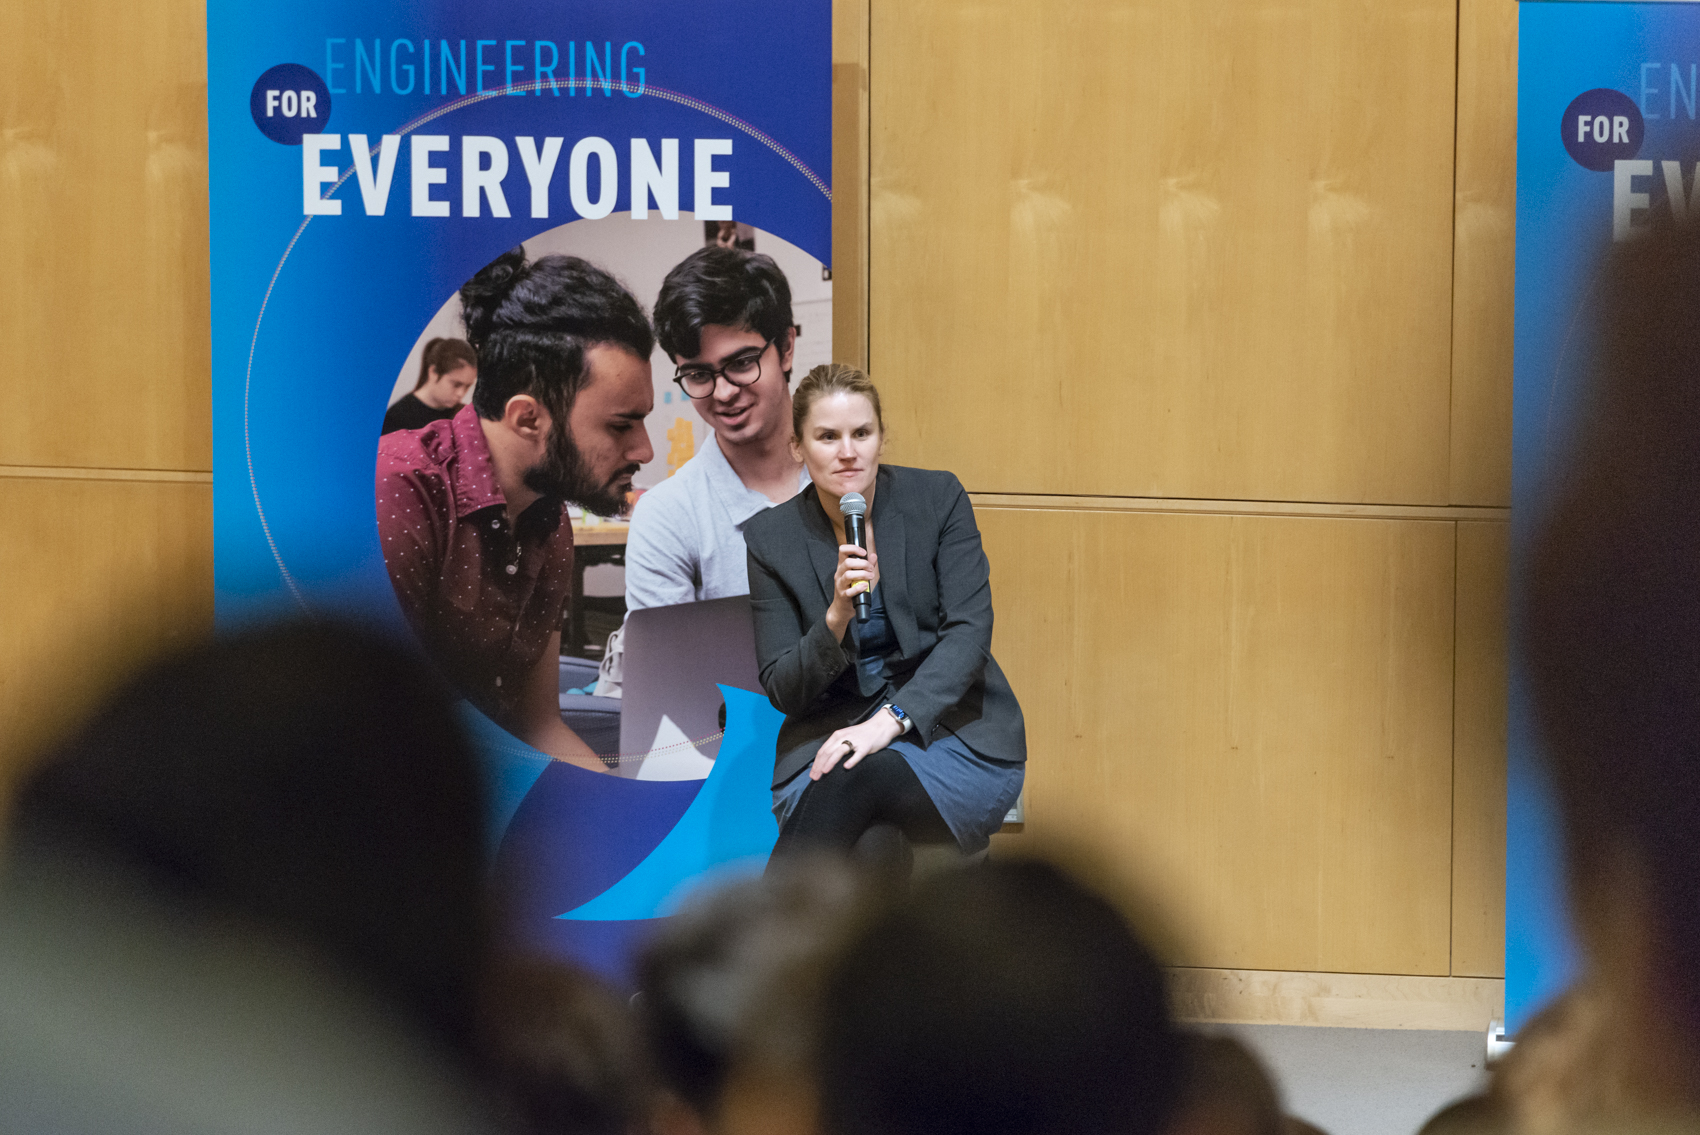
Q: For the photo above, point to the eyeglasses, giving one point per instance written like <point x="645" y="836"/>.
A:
<point x="742" y="369"/>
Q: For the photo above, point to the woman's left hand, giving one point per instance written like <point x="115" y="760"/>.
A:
<point x="850" y="745"/>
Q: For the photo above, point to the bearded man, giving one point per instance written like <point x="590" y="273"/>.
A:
<point x="470" y="509"/>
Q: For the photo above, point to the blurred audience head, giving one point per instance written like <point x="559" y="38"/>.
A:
<point x="1007" y="999"/>
<point x="1225" y="1090"/>
<point x="1472" y="1115"/>
<point x="729" y="991"/>
<point x="1611" y="631"/>
<point x="562" y="1053"/>
<point x="1570" y="1070"/>
<point x="308" y="780"/>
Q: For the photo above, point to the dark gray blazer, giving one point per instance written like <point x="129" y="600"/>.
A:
<point x="937" y="590"/>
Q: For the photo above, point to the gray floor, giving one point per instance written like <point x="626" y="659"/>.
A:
<point x="1367" y="1081"/>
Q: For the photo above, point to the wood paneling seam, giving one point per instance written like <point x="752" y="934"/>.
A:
<point x="78" y="473"/>
<point x="1240" y="507"/>
<point x="1452" y="790"/>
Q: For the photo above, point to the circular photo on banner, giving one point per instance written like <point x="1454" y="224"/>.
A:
<point x="534" y="409"/>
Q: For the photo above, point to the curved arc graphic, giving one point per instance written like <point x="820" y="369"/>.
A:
<point x="728" y="826"/>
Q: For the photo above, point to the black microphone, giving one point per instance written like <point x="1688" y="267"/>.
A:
<point x="854" y="509"/>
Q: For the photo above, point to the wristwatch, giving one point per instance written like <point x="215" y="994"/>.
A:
<point x="903" y="719"/>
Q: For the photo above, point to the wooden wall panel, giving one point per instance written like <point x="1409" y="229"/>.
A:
<point x="1485" y="252"/>
<point x="94" y="576"/>
<point x="850" y="182"/>
<point x="1191" y="248"/>
<point x="1253" y="714"/>
<point x="1479" y="751"/>
<point x="103" y="235"/>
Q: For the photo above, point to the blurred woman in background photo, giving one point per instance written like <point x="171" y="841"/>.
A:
<point x="447" y="370"/>
<point x="903" y="722"/>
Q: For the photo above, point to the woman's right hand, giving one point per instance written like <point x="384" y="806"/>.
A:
<point x="858" y="571"/>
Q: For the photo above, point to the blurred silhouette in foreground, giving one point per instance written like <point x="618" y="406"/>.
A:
<point x="1611" y="632"/>
<point x="247" y="895"/>
<point x="562" y="1053"/>
<point x="1226" y="1090"/>
<point x="1563" y="1075"/>
<point x="729" y="998"/>
<point x="1007" y="999"/>
<point x="1480" y="1114"/>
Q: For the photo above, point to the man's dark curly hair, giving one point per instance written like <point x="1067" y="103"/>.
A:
<point x="532" y="321"/>
<point x="725" y="286"/>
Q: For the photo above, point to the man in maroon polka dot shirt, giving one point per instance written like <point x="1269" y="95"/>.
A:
<point x="470" y="509"/>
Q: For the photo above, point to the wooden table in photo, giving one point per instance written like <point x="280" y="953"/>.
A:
<point x="594" y="542"/>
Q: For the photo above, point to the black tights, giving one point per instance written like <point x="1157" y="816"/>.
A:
<point x="880" y="798"/>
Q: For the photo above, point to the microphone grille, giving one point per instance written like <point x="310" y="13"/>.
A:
<point x="852" y="504"/>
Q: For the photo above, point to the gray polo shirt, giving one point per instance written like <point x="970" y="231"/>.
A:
<point x="687" y="536"/>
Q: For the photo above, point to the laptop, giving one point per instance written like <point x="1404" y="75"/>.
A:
<point x="675" y="660"/>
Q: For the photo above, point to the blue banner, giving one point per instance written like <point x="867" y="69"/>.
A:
<point x="1608" y="145"/>
<point x="367" y="158"/>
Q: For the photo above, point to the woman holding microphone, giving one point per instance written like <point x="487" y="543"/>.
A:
<point x="905" y="718"/>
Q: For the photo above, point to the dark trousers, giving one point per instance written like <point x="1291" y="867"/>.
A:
<point x="875" y="810"/>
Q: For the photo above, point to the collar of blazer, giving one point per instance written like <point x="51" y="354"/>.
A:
<point x="888" y="521"/>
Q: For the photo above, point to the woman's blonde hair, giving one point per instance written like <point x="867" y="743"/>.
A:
<point x="831" y="378"/>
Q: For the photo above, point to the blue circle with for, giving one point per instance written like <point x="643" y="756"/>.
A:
<point x="288" y="101"/>
<point x="1602" y="127"/>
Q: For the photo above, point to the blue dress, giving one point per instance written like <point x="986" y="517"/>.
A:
<point x="973" y="793"/>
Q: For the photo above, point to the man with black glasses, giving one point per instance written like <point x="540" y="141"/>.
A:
<point x="724" y="318"/>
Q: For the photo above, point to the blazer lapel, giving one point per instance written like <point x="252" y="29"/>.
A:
<point x="823" y="545"/>
<point x="890" y="540"/>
